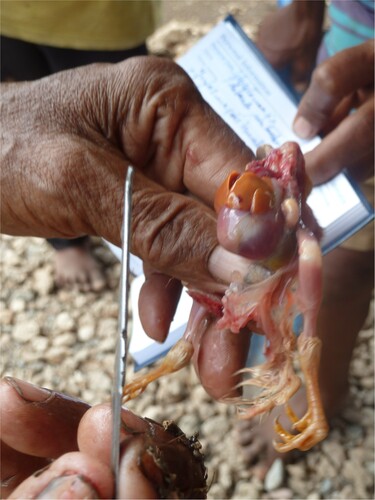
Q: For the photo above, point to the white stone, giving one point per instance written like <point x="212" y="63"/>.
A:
<point x="65" y="339"/>
<point x="56" y="354"/>
<point x="17" y="305"/>
<point x="43" y="281"/>
<point x="39" y="343"/>
<point x="246" y="490"/>
<point x="64" y="322"/>
<point x="107" y="327"/>
<point x="281" y="494"/>
<point x="275" y="476"/>
<point x="25" y="331"/>
<point x="86" y="333"/>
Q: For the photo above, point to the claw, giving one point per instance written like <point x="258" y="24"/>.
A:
<point x="312" y="427"/>
<point x="279" y="429"/>
<point x="291" y="415"/>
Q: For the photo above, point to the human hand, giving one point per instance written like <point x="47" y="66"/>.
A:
<point x="54" y="446"/>
<point x="340" y="84"/>
<point x="291" y="36"/>
<point x="68" y="140"/>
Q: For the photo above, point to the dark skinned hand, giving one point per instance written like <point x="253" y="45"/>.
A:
<point x="67" y="142"/>
<point x="339" y="103"/>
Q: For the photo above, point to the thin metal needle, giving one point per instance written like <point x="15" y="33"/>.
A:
<point x="122" y="338"/>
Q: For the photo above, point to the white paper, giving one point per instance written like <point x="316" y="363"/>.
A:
<point x="232" y="79"/>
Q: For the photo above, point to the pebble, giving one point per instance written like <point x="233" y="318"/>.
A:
<point x="314" y="496"/>
<point x="190" y="423"/>
<point x="66" y="339"/>
<point x="245" y="490"/>
<point x="17" y="305"/>
<point x="325" y="486"/>
<point x="86" y="333"/>
<point x="225" y="475"/>
<point x="275" y="476"/>
<point x="354" y="432"/>
<point x="25" y="331"/>
<point x="298" y="486"/>
<point x="5" y="340"/>
<point x="43" y="281"/>
<point x="280" y="494"/>
<point x="107" y="327"/>
<point x="39" y="343"/>
<point x="6" y="316"/>
<point x="216" y="426"/>
<point x="334" y="452"/>
<point x="98" y="381"/>
<point x="64" y="322"/>
<point x="107" y="345"/>
<point x="156" y="412"/>
<point x="296" y="470"/>
<point x="218" y="491"/>
<point x="325" y="467"/>
<point x="56" y="354"/>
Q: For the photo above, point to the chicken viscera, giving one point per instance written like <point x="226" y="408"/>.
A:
<point x="263" y="216"/>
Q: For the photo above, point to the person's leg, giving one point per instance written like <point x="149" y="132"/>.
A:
<point x="348" y="285"/>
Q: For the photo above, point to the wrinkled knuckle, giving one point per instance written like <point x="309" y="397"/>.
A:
<point x="165" y="232"/>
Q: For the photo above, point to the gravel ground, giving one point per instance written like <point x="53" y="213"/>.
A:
<point x="64" y="340"/>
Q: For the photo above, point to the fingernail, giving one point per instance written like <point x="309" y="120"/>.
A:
<point x="28" y="392"/>
<point x="303" y="128"/>
<point x="222" y="264"/>
<point x="69" y="487"/>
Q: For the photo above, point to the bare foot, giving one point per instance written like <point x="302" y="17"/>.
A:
<point x="76" y="267"/>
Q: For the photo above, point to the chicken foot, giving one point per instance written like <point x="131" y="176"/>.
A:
<point x="177" y="357"/>
<point x="312" y="427"/>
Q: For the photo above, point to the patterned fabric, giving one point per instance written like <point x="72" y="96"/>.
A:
<point x="352" y="23"/>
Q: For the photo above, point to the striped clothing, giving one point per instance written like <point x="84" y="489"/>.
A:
<point x="352" y="23"/>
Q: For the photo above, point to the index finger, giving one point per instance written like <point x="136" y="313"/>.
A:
<point x="338" y="76"/>
<point x="211" y="152"/>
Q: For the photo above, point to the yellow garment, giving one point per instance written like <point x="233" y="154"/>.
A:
<point x="80" y="24"/>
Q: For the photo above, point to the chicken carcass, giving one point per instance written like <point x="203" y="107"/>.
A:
<point x="263" y="216"/>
